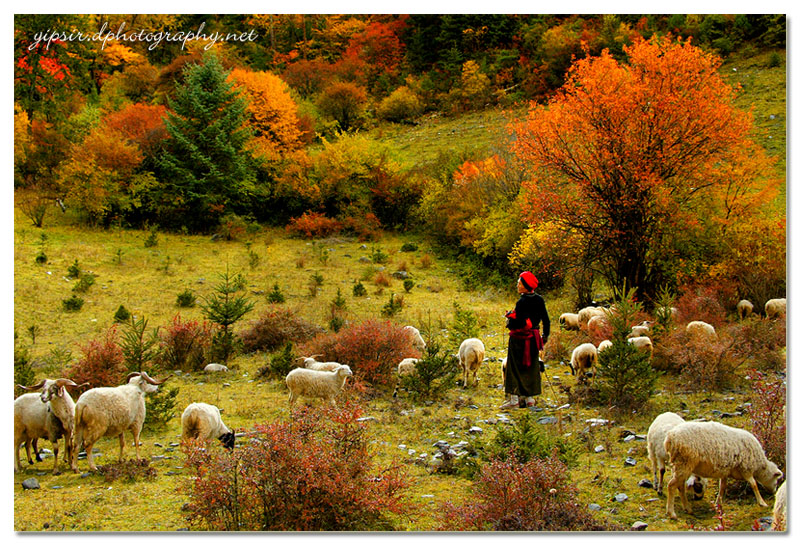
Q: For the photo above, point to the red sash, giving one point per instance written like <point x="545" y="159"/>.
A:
<point x="526" y="334"/>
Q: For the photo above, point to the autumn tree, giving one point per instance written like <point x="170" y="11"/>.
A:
<point x="627" y="158"/>
<point x="205" y="170"/>
<point x="344" y="102"/>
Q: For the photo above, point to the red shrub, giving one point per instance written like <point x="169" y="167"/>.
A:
<point x="372" y="349"/>
<point x="275" y="327"/>
<point x="102" y="363"/>
<point x="366" y="227"/>
<point x="313" y="473"/>
<point x="512" y="496"/>
<point x="313" y="225"/>
<point x="184" y="345"/>
<point x="705" y="303"/>
<point x="768" y="415"/>
<point x="705" y="365"/>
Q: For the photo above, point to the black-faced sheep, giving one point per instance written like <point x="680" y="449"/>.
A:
<point x="109" y="411"/>
<point x="310" y="383"/>
<point x="416" y="338"/>
<point x="744" y="308"/>
<point x="716" y="451"/>
<point x="470" y="356"/>
<point x="569" y="321"/>
<point x="658" y="455"/>
<point x="775" y="308"/>
<point x="584" y="358"/>
<point x="204" y="422"/>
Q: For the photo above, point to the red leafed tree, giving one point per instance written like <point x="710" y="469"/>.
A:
<point x="631" y="162"/>
<point x="142" y="124"/>
<point x="378" y="50"/>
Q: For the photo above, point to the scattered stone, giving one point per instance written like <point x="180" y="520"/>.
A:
<point x="364" y="259"/>
<point x="159" y="445"/>
<point x="400" y="275"/>
<point x="174" y="444"/>
<point x="366" y="419"/>
<point x="535" y="409"/>
<point x="84" y="475"/>
<point x="630" y="461"/>
<point x="472" y="407"/>
<point x="547" y="420"/>
<point x="41" y="473"/>
<point x="619" y="498"/>
<point x="441" y="445"/>
<point x="491" y="421"/>
<point x="411" y="452"/>
<point x="157" y="458"/>
<point x="427" y="496"/>
<point x="641" y="438"/>
<point x="645" y="483"/>
<point x="56" y="487"/>
<point x="597" y="421"/>
<point x="362" y="247"/>
<point x="639" y="526"/>
<point x="594" y="507"/>
<point x="730" y="415"/>
<point x="629" y="438"/>
<point x="599" y="448"/>
<point x="423" y="455"/>
<point x="172" y="473"/>
<point x="226" y="384"/>
<point x="30" y="484"/>
<point x="401" y="446"/>
<point x="475" y="430"/>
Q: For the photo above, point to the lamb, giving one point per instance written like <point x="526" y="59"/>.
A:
<point x="406" y="367"/>
<point x="658" y="456"/>
<point x="701" y="330"/>
<point x="779" y="509"/>
<point x="312" y="383"/>
<point x="569" y="321"/>
<point x="774" y="308"/>
<point x="716" y="451"/>
<point x="470" y="356"/>
<point x="311" y="363"/>
<point x="203" y="421"/>
<point x="50" y="414"/>
<point x="642" y="343"/>
<point x="111" y="411"/>
<point x="416" y="338"/>
<point x="584" y="357"/>
<point x="215" y="368"/>
<point x="744" y="308"/>
<point x="603" y="345"/>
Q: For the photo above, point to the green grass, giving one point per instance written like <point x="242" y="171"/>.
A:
<point x="141" y="284"/>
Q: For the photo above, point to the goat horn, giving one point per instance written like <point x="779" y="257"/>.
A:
<point x="130" y="376"/>
<point x="61" y="382"/>
<point x="37" y="387"/>
<point x="153" y="381"/>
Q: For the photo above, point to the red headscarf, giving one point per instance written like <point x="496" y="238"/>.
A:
<point x="528" y="280"/>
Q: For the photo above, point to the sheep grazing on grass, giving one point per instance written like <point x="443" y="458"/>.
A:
<point x="775" y="308"/>
<point x="416" y="339"/>
<point x="405" y="367"/>
<point x="312" y="383"/>
<point x="470" y="356"/>
<point x="204" y="422"/>
<point x="310" y="363"/>
<point x="603" y="345"/>
<point x="50" y="414"/>
<point x="716" y="451"/>
<point x="586" y="313"/>
<point x="597" y="325"/>
<point x="701" y="330"/>
<point x="215" y="368"/>
<point x="642" y="343"/>
<point x="641" y="330"/>
<point x="779" y="509"/>
<point x="108" y="411"/>
<point x="658" y="456"/>
<point x="584" y="358"/>
<point x="569" y="321"/>
<point x="744" y="308"/>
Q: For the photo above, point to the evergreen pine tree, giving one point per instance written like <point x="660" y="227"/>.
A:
<point x="204" y="170"/>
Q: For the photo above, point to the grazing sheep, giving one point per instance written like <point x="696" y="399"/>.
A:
<point x="405" y="367"/>
<point x="586" y="313"/>
<point x="111" y="412"/>
<point x="658" y="456"/>
<point x="597" y="325"/>
<point x="716" y="451"/>
<point x="779" y="509"/>
<point x="569" y="321"/>
<point x="744" y="308"/>
<point x="639" y="331"/>
<point x="203" y="421"/>
<point x="774" y="308"/>
<point x="215" y="368"/>
<point x="312" y="383"/>
<point x="584" y="357"/>
<point x="416" y="338"/>
<point x="603" y="345"/>
<point x="50" y="414"/>
<point x="311" y="363"/>
<point x="701" y="330"/>
<point x="642" y="343"/>
<point x="470" y="357"/>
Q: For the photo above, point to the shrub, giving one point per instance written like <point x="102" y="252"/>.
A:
<point x="372" y="349"/>
<point x="23" y="370"/>
<point x="336" y="322"/>
<point x="408" y="247"/>
<point x="313" y="225"/>
<point x="122" y="314"/>
<point x="434" y="374"/>
<point x="129" y="470"/>
<point x="74" y="270"/>
<point x="311" y="473"/>
<point x="275" y="327"/>
<point x="402" y="105"/>
<point x="392" y="307"/>
<point x="41" y="257"/>
<point x="276" y="296"/>
<point x="73" y="304"/>
<point x="382" y="279"/>
<point x="706" y="303"/>
<point x="102" y="362"/>
<point x="343" y="102"/>
<point x="138" y="349"/>
<point x="527" y="440"/>
<point x="359" y="290"/>
<point x="464" y="325"/>
<point x="152" y="239"/>
<point x="186" y="299"/>
<point x="513" y="496"/>
<point x="426" y="261"/>
<point x="379" y="256"/>
<point x="408" y="284"/>
<point x="768" y="414"/>
<point x="364" y="227"/>
<point x="704" y="365"/>
<point x="161" y="407"/>
<point x="184" y="345"/>
<point x="224" y="307"/>
<point x="279" y="364"/>
<point x="760" y="343"/>
<point x="86" y="281"/>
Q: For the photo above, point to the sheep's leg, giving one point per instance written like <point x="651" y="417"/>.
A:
<point x="35" y="444"/>
<point x="660" y="479"/>
<point x="678" y="480"/>
<point x="720" y="492"/>
<point x="67" y="448"/>
<point x="17" y="467"/>
<point x="754" y="486"/>
<point x="28" y="451"/>
<point x="136" y="432"/>
<point x="87" y="446"/>
<point x="684" y="499"/>
<point x="55" y="457"/>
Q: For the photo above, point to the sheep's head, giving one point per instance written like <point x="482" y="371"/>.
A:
<point x="696" y="486"/>
<point x="146" y="383"/>
<point x="768" y="476"/>
<point x="56" y="388"/>
<point x="344" y="370"/>
<point x="227" y="439"/>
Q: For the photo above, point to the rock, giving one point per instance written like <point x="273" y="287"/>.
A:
<point x="400" y="275"/>
<point x="366" y="419"/>
<point x="619" y="498"/>
<point x="630" y="461"/>
<point x="535" y="409"/>
<point x="172" y="473"/>
<point x="597" y="421"/>
<point x="599" y="448"/>
<point x="30" y="484"/>
<point x="645" y="483"/>
<point x="158" y="445"/>
<point x="641" y="438"/>
<point x="226" y="384"/>
<point x="639" y="526"/>
<point x="362" y="247"/>
<point x="629" y="438"/>
<point x="364" y="259"/>
<point x="84" y="475"/>
<point x="174" y="444"/>
<point x="442" y="445"/>
<point x="594" y="507"/>
<point x="730" y="415"/>
<point x="56" y="487"/>
<point x="472" y="407"/>
<point x="547" y="420"/>
<point x="411" y="452"/>
<point x="401" y="446"/>
<point x="475" y="430"/>
<point x="157" y="458"/>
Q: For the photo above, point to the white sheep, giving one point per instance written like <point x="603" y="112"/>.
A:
<point x="407" y="366"/>
<point x="716" y="451"/>
<point x="584" y="357"/>
<point x="111" y="411"/>
<point x="744" y="308"/>
<point x="204" y="422"/>
<point x="310" y="363"/>
<point x="774" y="308"/>
<point x="639" y="331"/>
<point x="642" y="343"/>
<point x="311" y="383"/>
<point x="597" y="325"/>
<point x="470" y="356"/>
<point x="416" y="338"/>
<point x="701" y="330"/>
<point x="779" y="509"/>
<point x="656" y="434"/>
<point x="215" y="368"/>
<point x="569" y="321"/>
<point x="603" y="345"/>
<point x="586" y="313"/>
<point x="50" y="414"/>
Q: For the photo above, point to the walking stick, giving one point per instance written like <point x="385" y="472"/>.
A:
<point x="558" y="410"/>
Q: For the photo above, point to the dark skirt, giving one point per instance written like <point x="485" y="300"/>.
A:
<point x="522" y="380"/>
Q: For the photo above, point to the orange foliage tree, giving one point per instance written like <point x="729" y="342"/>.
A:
<point x="628" y="160"/>
<point x="272" y="112"/>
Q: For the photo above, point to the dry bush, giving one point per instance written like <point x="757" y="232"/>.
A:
<point x="275" y="327"/>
